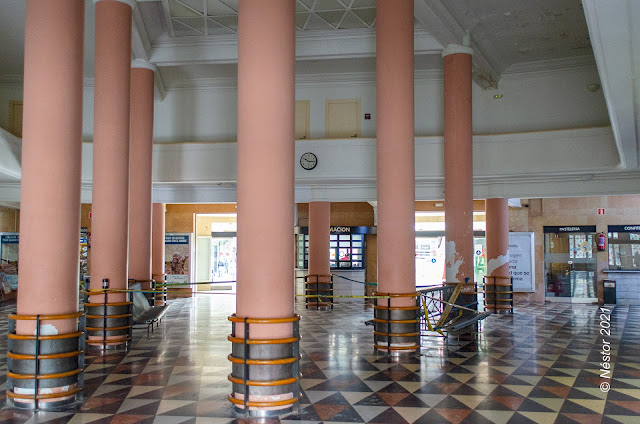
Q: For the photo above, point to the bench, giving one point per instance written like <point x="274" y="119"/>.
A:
<point x="143" y="313"/>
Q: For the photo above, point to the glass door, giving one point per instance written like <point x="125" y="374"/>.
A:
<point x="570" y="265"/>
<point x="223" y="259"/>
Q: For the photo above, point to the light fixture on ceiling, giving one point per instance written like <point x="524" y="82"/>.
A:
<point x="498" y="96"/>
<point x="593" y="87"/>
<point x="438" y="204"/>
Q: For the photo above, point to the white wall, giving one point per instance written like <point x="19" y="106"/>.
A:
<point x="531" y="102"/>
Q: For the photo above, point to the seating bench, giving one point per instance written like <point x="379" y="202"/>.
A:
<point x="143" y="313"/>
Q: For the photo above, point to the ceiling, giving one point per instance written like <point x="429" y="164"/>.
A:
<point x="503" y="32"/>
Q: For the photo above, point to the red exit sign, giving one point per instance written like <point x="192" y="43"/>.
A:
<point x="601" y="211"/>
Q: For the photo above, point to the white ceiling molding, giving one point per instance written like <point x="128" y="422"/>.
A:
<point x="432" y="14"/>
<point x="553" y="65"/>
<point x="140" y="43"/>
<point x="309" y="46"/>
<point x="611" y="33"/>
<point x="166" y="14"/>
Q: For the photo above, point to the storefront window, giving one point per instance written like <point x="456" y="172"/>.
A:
<point x="346" y="251"/>
<point x="624" y="247"/>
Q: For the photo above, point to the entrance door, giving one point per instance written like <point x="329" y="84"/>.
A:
<point x="223" y="262"/>
<point x="302" y="119"/>
<point x="342" y="118"/>
<point x="570" y="265"/>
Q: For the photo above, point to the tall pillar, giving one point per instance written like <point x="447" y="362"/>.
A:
<point x="395" y="170"/>
<point x="50" y="188"/>
<point x="497" y="213"/>
<point x="157" y="242"/>
<point x="458" y="170"/>
<point x="266" y="106"/>
<point x="110" y="198"/>
<point x="319" y="277"/>
<point x="140" y="167"/>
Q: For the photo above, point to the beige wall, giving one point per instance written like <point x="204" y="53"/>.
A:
<point x="9" y="220"/>
<point x="619" y="210"/>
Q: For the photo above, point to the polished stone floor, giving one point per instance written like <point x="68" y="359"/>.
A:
<point x="541" y="365"/>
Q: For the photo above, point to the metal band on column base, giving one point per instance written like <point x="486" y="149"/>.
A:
<point x="498" y="294"/>
<point x="265" y="373"/>
<point x="45" y="372"/>
<point x="109" y="325"/>
<point x="319" y="285"/>
<point x="397" y="328"/>
<point x="161" y="289"/>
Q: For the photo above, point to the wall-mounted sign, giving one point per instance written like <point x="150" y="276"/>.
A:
<point x="177" y="253"/>
<point x="571" y="229"/>
<point x="600" y="211"/>
<point x="624" y="228"/>
<point x="9" y="261"/>
<point x="336" y="229"/>
<point x="522" y="261"/>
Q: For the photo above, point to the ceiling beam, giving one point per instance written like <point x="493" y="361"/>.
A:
<point x="166" y="12"/>
<point x="141" y="48"/>
<point x="436" y="19"/>
<point x="309" y="46"/>
<point x="611" y="34"/>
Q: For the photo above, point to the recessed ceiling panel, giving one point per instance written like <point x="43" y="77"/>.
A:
<point x="332" y="16"/>
<point x="179" y="10"/>
<point x="196" y="5"/>
<point x="329" y="5"/>
<point x="367" y="15"/>
<point x="351" y="20"/>
<point x="217" y="7"/>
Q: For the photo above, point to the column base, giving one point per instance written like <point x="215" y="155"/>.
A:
<point x="109" y="327"/>
<point x="45" y="372"/>
<point x="265" y="373"/>
<point x="397" y="328"/>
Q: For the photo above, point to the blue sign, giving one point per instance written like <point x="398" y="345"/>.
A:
<point x="433" y="260"/>
<point x="175" y="239"/>
<point x="10" y="238"/>
<point x="478" y="252"/>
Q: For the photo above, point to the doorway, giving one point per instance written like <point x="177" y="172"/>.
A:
<point x="342" y="118"/>
<point x="570" y="263"/>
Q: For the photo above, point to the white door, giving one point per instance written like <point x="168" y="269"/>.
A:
<point x="342" y="118"/>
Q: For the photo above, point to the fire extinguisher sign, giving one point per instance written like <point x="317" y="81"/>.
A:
<point x="601" y="211"/>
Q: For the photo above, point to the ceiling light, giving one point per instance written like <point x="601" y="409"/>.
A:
<point x="498" y="96"/>
<point x="593" y="87"/>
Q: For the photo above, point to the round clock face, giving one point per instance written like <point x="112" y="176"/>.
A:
<point x="308" y="161"/>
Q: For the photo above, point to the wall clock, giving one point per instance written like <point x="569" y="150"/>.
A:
<point x="308" y="161"/>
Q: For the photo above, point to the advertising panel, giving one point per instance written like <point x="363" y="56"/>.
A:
<point x="177" y="257"/>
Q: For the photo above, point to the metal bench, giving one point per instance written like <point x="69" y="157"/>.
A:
<point x="143" y="312"/>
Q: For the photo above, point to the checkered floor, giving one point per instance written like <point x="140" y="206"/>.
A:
<point x="540" y="366"/>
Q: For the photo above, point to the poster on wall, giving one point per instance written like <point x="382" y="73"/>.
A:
<point x="9" y="261"/>
<point x="177" y="257"/>
<point x="521" y="261"/>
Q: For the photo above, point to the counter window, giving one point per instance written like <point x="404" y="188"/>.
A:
<point x="624" y="247"/>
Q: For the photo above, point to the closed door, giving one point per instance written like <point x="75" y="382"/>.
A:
<point x="302" y="119"/>
<point x="342" y="118"/>
<point x="15" y="118"/>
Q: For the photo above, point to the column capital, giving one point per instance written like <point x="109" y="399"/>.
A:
<point x="131" y="3"/>
<point x="141" y="63"/>
<point x="456" y="48"/>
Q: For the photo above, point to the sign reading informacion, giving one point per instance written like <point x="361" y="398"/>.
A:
<point x="176" y="257"/>
<point x="521" y="262"/>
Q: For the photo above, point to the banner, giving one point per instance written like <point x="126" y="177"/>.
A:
<point x="177" y="254"/>
<point x="9" y="261"/>
<point x="521" y="261"/>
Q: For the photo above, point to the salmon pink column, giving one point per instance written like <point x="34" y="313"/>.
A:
<point x="140" y="161"/>
<point x="265" y="290"/>
<point x="49" y="209"/>
<point x="458" y="169"/>
<point x="497" y="213"/>
<point x="51" y="160"/>
<point x="157" y="242"/>
<point x="111" y="146"/>
<point x="319" y="278"/>
<point x="395" y="173"/>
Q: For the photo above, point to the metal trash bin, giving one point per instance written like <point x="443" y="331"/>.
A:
<point x="609" y="291"/>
